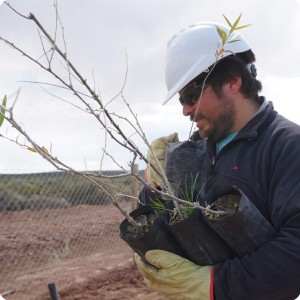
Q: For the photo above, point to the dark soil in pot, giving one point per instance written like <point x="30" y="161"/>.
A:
<point x="244" y="228"/>
<point x="154" y="233"/>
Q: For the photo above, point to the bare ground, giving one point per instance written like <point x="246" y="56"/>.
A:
<point x="76" y="248"/>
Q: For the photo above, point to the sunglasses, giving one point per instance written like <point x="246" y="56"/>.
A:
<point x="192" y="93"/>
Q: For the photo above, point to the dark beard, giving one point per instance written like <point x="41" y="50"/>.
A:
<point x="222" y="126"/>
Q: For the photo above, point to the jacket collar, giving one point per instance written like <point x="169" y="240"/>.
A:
<point x="260" y="121"/>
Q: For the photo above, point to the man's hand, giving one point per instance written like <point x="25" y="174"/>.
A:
<point x="176" y="277"/>
<point x="156" y="156"/>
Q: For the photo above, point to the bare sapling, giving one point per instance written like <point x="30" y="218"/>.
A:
<point x="90" y="102"/>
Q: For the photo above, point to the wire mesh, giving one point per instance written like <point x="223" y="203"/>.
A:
<point x="46" y="218"/>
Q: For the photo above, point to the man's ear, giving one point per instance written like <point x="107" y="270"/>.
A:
<point x="235" y="84"/>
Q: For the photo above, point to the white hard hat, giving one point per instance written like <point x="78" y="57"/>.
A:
<point x="192" y="51"/>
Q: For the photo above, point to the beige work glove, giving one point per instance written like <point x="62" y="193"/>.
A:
<point x="176" y="277"/>
<point x="158" y="149"/>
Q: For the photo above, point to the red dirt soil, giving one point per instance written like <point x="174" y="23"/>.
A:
<point x="101" y="268"/>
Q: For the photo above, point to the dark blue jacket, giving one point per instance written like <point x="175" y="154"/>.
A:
<point x="263" y="161"/>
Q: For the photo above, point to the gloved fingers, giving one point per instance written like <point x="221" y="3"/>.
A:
<point x="159" y="153"/>
<point x="164" y="259"/>
<point x="174" y="266"/>
<point x="158" y="144"/>
<point x="173" y="137"/>
<point x="169" y="291"/>
<point x="156" y="158"/>
<point x="161" y="143"/>
<point x="180" y="279"/>
<point x="153" y="274"/>
<point x="143" y="268"/>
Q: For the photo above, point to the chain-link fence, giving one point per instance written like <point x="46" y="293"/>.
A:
<point x="47" y="218"/>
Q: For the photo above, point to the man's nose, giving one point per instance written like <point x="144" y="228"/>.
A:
<point x="187" y="109"/>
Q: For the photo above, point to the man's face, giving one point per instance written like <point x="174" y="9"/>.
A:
<point x="213" y="115"/>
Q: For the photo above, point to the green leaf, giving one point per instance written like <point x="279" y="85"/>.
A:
<point x="222" y="34"/>
<point x="235" y="23"/>
<point x="228" y="22"/>
<point x="241" y="27"/>
<point x="234" y="41"/>
<point x="3" y="109"/>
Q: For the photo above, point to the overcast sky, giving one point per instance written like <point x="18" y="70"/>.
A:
<point x="97" y="34"/>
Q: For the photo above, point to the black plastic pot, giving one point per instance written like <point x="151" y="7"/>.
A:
<point x="245" y="229"/>
<point x="157" y="237"/>
<point x="186" y="165"/>
<point x="147" y="196"/>
<point x="201" y="244"/>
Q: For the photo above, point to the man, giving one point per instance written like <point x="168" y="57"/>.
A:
<point x="253" y="148"/>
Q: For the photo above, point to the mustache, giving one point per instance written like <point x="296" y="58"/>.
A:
<point x="196" y="117"/>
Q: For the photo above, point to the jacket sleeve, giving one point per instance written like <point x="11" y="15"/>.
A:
<point x="272" y="272"/>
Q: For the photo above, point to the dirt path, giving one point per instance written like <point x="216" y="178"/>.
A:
<point x="86" y="278"/>
<point x="76" y="248"/>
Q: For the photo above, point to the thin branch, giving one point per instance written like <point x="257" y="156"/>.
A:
<point x="106" y="119"/>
